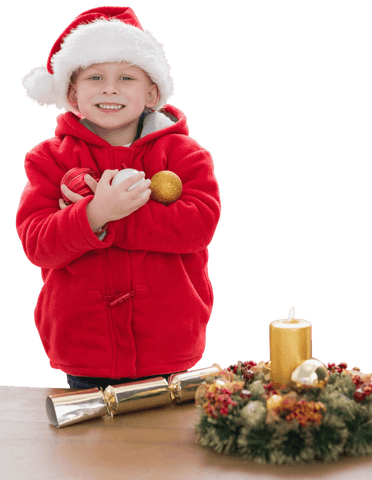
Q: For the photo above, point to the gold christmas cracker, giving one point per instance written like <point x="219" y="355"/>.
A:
<point x="183" y="386"/>
<point x="135" y="396"/>
<point x="74" y="407"/>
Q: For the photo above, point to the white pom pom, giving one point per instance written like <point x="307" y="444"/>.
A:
<point x="39" y="84"/>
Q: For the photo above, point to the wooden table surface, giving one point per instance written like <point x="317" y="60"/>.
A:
<point x="152" y="444"/>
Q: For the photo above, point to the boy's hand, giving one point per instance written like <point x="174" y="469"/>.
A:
<point x="113" y="203"/>
<point x="75" y="197"/>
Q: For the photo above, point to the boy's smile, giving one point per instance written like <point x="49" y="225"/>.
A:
<point x="112" y="96"/>
<point x="109" y="106"/>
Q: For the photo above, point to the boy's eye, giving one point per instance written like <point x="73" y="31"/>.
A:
<point x="99" y="77"/>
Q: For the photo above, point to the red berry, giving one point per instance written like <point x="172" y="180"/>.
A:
<point x="357" y="380"/>
<point x="359" y="395"/>
<point x="245" y="394"/>
<point x="368" y="390"/>
<point x="248" y="375"/>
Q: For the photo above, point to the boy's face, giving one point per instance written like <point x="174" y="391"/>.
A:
<point x="113" y="95"/>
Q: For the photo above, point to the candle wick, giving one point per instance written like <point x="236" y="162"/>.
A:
<point x="291" y="315"/>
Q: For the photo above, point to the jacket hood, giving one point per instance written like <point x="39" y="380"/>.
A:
<point x="156" y="124"/>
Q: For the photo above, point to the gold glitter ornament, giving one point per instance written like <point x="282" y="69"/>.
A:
<point x="199" y="395"/>
<point x="166" y="187"/>
<point x="274" y="401"/>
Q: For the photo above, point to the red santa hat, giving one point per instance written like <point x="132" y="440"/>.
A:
<point x="100" y="35"/>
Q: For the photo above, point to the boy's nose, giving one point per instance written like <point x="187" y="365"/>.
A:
<point x="109" y="88"/>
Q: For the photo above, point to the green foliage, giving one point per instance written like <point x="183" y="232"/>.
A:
<point x="330" y="438"/>
<point x="359" y="441"/>
<point x="219" y="435"/>
<point x="253" y="443"/>
<point x="341" y="383"/>
<point x="339" y="404"/>
<point x="312" y="394"/>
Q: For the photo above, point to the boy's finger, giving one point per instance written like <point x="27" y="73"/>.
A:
<point x="130" y="181"/>
<point x="74" y="197"/>
<point x="139" y="201"/>
<point x="107" y="176"/>
<point x="140" y="188"/>
<point x="92" y="184"/>
<point x="62" y="204"/>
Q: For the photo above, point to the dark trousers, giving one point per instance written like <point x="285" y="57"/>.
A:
<point x="93" y="382"/>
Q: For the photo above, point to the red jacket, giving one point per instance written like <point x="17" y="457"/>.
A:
<point x="138" y="302"/>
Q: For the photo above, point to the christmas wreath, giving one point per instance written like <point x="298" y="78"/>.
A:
<point x="242" y="414"/>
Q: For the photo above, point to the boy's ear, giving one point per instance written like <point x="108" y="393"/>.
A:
<point x="153" y="96"/>
<point x="71" y="95"/>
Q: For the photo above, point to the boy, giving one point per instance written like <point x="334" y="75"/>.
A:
<point x="126" y="291"/>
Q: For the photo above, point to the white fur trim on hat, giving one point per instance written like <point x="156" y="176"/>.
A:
<point x="101" y="41"/>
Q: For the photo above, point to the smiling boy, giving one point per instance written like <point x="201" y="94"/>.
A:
<point x="135" y="302"/>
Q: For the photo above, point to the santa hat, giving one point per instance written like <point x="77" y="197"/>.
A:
<point x="100" y="35"/>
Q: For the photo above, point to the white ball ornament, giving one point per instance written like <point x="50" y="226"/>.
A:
<point x="309" y="372"/>
<point x="123" y="175"/>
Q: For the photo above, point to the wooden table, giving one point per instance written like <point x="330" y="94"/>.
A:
<point x="153" y="444"/>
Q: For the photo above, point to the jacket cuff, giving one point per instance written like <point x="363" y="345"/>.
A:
<point x="105" y="238"/>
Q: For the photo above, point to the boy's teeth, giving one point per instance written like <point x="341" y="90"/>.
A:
<point x="112" y="107"/>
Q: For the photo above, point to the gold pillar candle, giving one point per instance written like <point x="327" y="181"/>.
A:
<point x="290" y="345"/>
